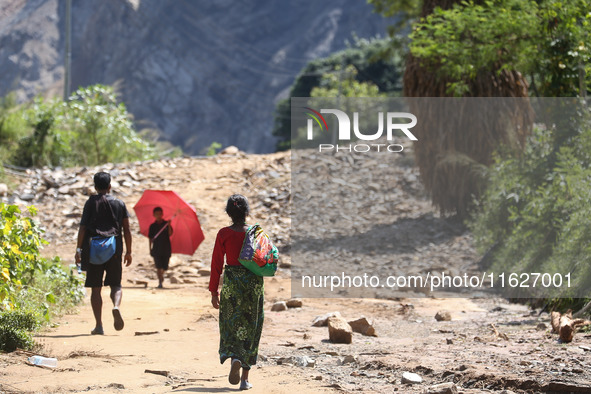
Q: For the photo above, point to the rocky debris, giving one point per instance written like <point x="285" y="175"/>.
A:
<point x="442" y="388"/>
<point x="3" y="189"/>
<point x="322" y="320"/>
<point x="443" y="316"/>
<point x="294" y="303"/>
<point x="348" y="359"/>
<point x="411" y="378"/>
<point x="565" y="326"/>
<point x="363" y="326"/>
<point x="60" y="195"/>
<point x="279" y="306"/>
<point x="204" y="272"/>
<point x="229" y="150"/>
<point x="298" y="361"/>
<point x="339" y="331"/>
<point x="374" y="215"/>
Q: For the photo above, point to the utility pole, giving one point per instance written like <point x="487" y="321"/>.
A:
<point x="339" y="93"/>
<point x="68" y="52"/>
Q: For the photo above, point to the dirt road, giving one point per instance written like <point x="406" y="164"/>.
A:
<point x="518" y="353"/>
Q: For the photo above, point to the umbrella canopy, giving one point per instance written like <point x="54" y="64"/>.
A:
<point x="187" y="233"/>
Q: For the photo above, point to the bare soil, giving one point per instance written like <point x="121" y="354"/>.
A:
<point x="182" y="336"/>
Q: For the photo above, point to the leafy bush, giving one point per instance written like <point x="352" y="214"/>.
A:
<point x="546" y="40"/>
<point x="377" y="63"/>
<point x="27" y="279"/>
<point x="89" y="129"/>
<point x="534" y="216"/>
<point x="15" y="330"/>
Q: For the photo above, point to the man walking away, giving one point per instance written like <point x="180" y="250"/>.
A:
<point x="104" y="214"/>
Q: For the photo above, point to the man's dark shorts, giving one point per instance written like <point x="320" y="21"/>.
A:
<point x="161" y="262"/>
<point x="113" y="268"/>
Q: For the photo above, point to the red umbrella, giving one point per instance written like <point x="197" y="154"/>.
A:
<point x="187" y="233"/>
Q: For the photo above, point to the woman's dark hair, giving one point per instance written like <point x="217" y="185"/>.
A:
<point x="157" y="209"/>
<point x="237" y="208"/>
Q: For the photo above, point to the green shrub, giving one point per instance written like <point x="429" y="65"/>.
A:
<point x="26" y="278"/>
<point x="378" y="63"/>
<point x="534" y="216"/>
<point x="15" y="330"/>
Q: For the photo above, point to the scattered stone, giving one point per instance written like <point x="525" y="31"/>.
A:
<point x="229" y="150"/>
<point x="155" y="372"/>
<point x="348" y="359"/>
<point x="117" y="386"/>
<point x="283" y="263"/>
<point x="140" y="333"/>
<point x="3" y="190"/>
<point x="138" y="282"/>
<point x="279" y="306"/>
<point x="541" y="326"/>
<point x="443" y="316"/>
<point x="27" y="197"/>
<point x="294" y="303"/>
<point x="411" y="378"/>
<point x="506" y="392"/>
<point x="318" y="377"/>
<point x="174" y="280"/>
<point x="339" y="331"/>
<point x="204" y="272"/>
<point x="298" y="361"/>
<point x="449" y="341"/>
<point x="364" y="327"/>
<point x="443" y="388"/>
<point x="322" y="321"/>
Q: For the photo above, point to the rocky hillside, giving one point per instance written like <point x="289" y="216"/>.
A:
<point x="199" y="71"/>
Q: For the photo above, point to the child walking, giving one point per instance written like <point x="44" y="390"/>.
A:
<point x="160" y="249"/>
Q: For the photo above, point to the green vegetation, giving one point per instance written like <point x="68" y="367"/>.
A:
<point x="368" y="68"/>
<point x="89" y="129"/>
<point x="33" y="289"/>
<point x="546" y="40"/>
<point x="534" y="216"/>
<point x="213" y="148"/>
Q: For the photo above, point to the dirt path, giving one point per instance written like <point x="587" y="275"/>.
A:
<point x="185" y="345"/>
<point x="464" y="350"/>
<point x="523" y="357"/>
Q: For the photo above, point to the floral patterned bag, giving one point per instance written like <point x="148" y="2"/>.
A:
<point x="258" y="253"/>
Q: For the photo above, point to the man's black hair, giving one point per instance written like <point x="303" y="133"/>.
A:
<point x="157" y="209"/>
<point x="237" y="208"/>
<point x="102" y="180"/>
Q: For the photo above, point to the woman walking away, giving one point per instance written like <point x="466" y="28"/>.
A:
<point x="241" y="300"/>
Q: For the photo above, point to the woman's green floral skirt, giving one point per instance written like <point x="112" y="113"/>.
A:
<point x="241" y="315"/>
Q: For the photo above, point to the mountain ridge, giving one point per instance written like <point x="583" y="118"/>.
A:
<point x="198" y="71"/>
